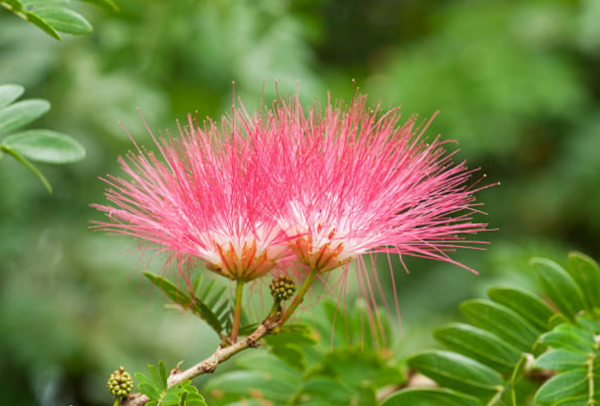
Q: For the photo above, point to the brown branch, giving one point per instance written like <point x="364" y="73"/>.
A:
<point x="210" y="364"/>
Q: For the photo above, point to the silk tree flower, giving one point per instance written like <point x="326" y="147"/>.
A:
<point x="202" y="200"/>
<point x="359" y="182"/>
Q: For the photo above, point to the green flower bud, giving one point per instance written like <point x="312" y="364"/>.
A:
<point x="120" y="383"/>
<point x="282" y="288"/>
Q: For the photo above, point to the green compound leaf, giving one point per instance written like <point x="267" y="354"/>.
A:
<point x="501" y="321"/>
<point x="561" y="360"/>
<point x="430" y="397"/>
<point x="42" y="24"/>
<point x="46" y="146"/>
<point x="191" y="397"/>
<point x="156" y="388"/>
<point x="586" y="272"/>
<point x="563" y="386"/>
<point x="559" y="286"/>
<point x="64" y="20"/>
<point x="528" y="305"/>
<point x="195" y="305"/>
<point x="22" y="113"/>
<point x="458" y="372"/>
<point x="10" y="93"/>
<point x="480" y="345"/>
<point x="107" y="5"/>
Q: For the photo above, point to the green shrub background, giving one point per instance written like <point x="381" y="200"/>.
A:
<point x="516" y="83"/>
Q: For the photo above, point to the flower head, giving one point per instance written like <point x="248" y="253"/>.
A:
<point x="203" y="200"/>
<point x="357" y="181"/>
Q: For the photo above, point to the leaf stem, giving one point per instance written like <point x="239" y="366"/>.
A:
<point x="299" y="298"/>
<point x="117" y="401"/>
<point x="239" y="292"/>
<point x="28" y="165"/>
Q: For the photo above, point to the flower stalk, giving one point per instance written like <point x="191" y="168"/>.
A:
<point x="239" y="292"/>
<point x="299" y="298"/>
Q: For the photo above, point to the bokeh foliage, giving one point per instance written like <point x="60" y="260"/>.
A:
<point x="515" y="81"/>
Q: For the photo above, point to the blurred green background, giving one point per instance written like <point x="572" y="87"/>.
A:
<point x="517" y="83"/>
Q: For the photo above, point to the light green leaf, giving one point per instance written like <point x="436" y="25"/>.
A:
<point x="430" y="397"/>
<point x="42" y="24"/>
<point x="108" y="5"/>
<point x="528" y="305"/>
<point x="191" y="397"/>
<point x="570" y="338"/>
<point x="559" y="286"/>
<point x="561" y="360"/>
<point x="560" y="387"/>
<point x="22" y="113"/>
<point x="588" y="323"/>
<point x="46" y="146"/>
<point x="264" y="362"/>
<point x="14" y="4"/>
<point x="65" y="20"/>
<point x="28" y="165"/>
<point x="480" y="345"/>
<point x="574" y="401"/>
<point x="328" y="388"/>
<point x="457" y="372"/>
<point x="586" y="273"/>
<point x="10" y="93"/>
<point x="501" y="321"/>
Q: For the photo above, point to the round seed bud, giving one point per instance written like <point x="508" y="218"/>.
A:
<point x="282" y="288"/>
<point x="120" y="383"/>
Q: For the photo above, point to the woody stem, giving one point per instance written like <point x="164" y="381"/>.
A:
<point x="239" y="291"/>
<point x="299" y="298"/>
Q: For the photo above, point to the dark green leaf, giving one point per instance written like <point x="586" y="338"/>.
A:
<point x="42" y="24"/>
<point x="64" y="20"/>
<point x="586" y="273"/>
<point x="480" y="345"/>
<point x="10" y="93"/>
<point x="561" y="360"/>
<point x="501" y="321"/>
<point x="108" y="5"/>
<point x="430" y="397"/>
<point x="457" y="372"/>
<point x="559" y="286"/>
<point x="46" y="146"/>
<point x="525" y="303"/>
<point x="22" y="113"/>
<point x="568" y="384"/>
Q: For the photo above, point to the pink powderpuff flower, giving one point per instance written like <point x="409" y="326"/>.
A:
<point x="203" y="200"/>
<point x="359" y="182"/>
